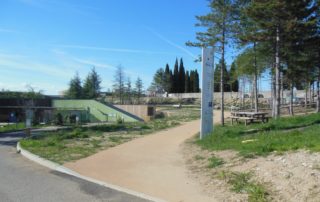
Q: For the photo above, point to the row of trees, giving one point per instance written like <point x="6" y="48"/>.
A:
<point x="177" y="80"/>
<point x="89" y="90"/>
<point x="279" y="35"/>
<point x="123" y="90"/>
<point x="122" y="87"/>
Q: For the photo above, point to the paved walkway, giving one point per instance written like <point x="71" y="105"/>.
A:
<point x="23" y="180"/>
<point x="153" y="165"/>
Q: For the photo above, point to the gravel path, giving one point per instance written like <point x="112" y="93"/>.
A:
<point x="153" y="165"/>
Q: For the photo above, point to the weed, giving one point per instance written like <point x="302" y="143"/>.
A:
<point x="215" y="162"/>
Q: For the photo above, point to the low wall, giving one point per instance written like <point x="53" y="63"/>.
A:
<point x="145" y="112"/>
<point x="230" y="95"/>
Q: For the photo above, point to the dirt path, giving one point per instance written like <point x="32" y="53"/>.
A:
<point x="153" y="165"/>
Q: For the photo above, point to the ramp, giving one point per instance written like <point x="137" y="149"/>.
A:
<point x="97" y="111"/>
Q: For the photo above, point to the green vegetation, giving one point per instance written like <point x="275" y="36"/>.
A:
<point x="12" y="127"/>
<point x="70" y="145"/>
<point x="215" y="162"/>
<point x="175" y="80"/>
<point x="284" y="134"/>
<point x="243" y="183"/>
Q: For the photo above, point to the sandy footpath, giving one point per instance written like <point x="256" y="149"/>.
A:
<point x="153" y="165"/>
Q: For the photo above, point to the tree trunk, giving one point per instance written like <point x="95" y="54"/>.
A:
<point x="310" y="94"/>
<point x="277" y="68"/>
<point x="318" y="92"/>
<point x="255" y="78"/>
<point x="273" y="94"/>
<point x="306" y="99"/>
<point x="291" y="98"/>
<point x="222" y="74"/>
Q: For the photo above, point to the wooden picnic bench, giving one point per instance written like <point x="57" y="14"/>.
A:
<point x="237" y="118"/>
<point x="249" y="117"/>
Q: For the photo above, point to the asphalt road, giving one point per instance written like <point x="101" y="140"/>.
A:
<point x="23" y="180"/>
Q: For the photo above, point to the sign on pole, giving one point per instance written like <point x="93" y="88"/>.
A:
<point x="207" y="92"/>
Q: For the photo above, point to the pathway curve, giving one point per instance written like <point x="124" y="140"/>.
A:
<point x="153" y="165"/>
<point x="23" y="180"/>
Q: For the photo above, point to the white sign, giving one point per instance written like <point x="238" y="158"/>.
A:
<point x="207" y="92"/>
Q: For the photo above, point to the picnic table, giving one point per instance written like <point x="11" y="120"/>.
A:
<point x="249" y="117"/>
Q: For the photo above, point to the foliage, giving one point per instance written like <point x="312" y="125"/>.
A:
<point x="75" y="88"/>
<point x="180" y="81"/>
<point x="91" y="86"/>
<point x="284" y="134"/>
<point x="12" y="127"/>
<point x="119" y="86"/>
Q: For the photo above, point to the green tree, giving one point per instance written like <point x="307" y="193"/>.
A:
<point x="277" y="22"/>
<point x="175" y="87"/>
<point x="196" y="81"/>
<point x="168" y="79"/>
<point x="138" y="89"/>
<point x="234" y="78"/>
<point x="220" y="27"/>
<point x="119" y="83"/>
<point x="217" y="77"/>
<point x="181" y="77"/>
<point x="159" y="82"/>
<point x="187" y="83"/>
<point x="91" y="87"/>
<point x="75" y="88"/>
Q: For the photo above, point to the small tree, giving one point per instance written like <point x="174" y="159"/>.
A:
<point x="118" y="86"/>
<point x="75" y="88"/>
<point x="91" y="87"/>
<point x="138" y="89"/>
<point x="159" y="82"/>
<point x="128" y="90"/>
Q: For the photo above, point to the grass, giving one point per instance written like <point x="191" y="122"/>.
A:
<point x="12" y="127"/>
<point x="215" y="162"/>
<point x="69" y="145"/>
<point x="284" y="134"/>
<point x="241" y="182"/>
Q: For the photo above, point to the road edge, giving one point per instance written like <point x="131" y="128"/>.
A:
<point x="57" y="167"/>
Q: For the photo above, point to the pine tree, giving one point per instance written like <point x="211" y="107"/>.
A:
<point x="75" y="88"/>
<point x="196" y="82"/>
<point x="181" y="77"/>
<point x="138" y="89"/>
<point x="91" y="87"/>
<point x="168" y="79"/>
<point x="128" y="90"/>
<point x="278" y="21"/>
<point x="217" y="77"/>
<point x="192" y="90"/>
<point x="159" y="82"/>
<point x="119" y="86"/>
<point x="176" y="77"/>
<point x="234" y="78"/>
<point x="220" y="27"/>
<point x="187" y="83"/>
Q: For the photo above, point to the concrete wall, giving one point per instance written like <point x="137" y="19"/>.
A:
<point x="140" y="111"/>
<point x="98" y="111"/>
<point x="229" y="95"/>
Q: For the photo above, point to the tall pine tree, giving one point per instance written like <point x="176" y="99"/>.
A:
<point x="181" y="77"/>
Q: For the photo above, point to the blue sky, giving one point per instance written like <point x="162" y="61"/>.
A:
<point x="44" y="42"/>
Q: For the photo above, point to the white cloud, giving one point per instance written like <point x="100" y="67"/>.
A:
<point x="94" y="63"/>
<point x="24" y="63"/>
<point x="183" y="49"/>
<point x="120" y="50"/>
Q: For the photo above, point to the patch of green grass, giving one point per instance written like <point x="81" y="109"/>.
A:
<point x="267" y="139"/>
<point x="215" y="162"/>
<point x="243" y="183"/>
<point x="12" y="127"/>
